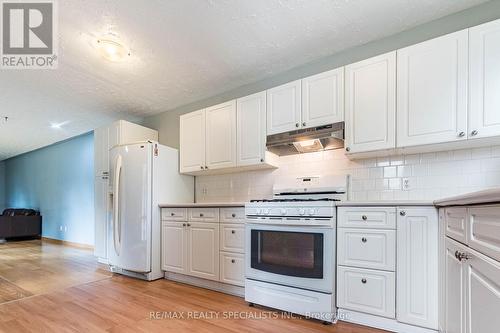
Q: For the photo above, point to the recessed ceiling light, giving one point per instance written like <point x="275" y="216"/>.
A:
<point x="112" y="50"/>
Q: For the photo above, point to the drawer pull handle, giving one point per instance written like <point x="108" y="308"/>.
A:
<point x="233" y="215"/>
<point x="363" y="281"/>
<point x="201" y="215"/>
<point x="364" y="217"/>
<point x="172" y="214"/>
<point x="233" y="261"/>
<point x="364" y="239"/>
<point x="233" y="232"/>
<point x="461" y="256"/>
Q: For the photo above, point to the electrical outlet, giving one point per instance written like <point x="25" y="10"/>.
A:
<point x="65" y="228"/>
<point x="60" y="228"/>
<point x="407" y="185"/>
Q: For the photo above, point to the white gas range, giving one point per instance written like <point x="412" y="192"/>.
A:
<point x="290" y="247"/>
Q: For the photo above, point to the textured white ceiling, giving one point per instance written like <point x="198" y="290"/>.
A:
<point x="183" y="51"/>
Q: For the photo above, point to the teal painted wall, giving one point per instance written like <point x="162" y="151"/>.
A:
<point x="167" y="123"/>
<point x="2" y="186"/>
<point x="58" y="180"/>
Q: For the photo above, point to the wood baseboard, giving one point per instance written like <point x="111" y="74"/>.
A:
<point x="67" y="243"/>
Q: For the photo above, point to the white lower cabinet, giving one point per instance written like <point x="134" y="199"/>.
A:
<point x="174" y="247"/>
<point x="206" y="243"/>
<point x="387" y="273"/>
<point x="366" y="290"/>
<point x="203" y="259"/>
<point x="232" y="268"/>
<point x="417" y="267"/>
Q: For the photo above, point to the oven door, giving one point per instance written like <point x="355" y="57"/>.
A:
<point x="297" y="256"/>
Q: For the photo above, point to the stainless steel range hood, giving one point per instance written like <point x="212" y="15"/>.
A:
<point x="307" y="140"/>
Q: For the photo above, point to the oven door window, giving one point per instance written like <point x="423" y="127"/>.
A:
<point x="288" y="253"/>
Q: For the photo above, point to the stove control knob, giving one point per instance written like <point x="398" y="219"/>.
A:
<point x="283" y="211"/>
<point x="258" y="210"/>
<point x="311" y="211"/>
<point x="302" y="211"/>
<point x="265" y="211"/>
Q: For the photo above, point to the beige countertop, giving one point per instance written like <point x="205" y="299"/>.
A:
<point x="480" y="197"/>
<point x="383" y="203"/>
<point x="202" y="204"/>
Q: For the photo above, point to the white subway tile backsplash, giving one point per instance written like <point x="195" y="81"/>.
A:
<point x="431" y="175"/>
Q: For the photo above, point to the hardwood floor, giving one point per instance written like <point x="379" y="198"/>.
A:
<point x="35" y="267"/>
<point x="121" y="304"/>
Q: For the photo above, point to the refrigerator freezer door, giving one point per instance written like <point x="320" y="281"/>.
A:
<point x="130" y="230"/>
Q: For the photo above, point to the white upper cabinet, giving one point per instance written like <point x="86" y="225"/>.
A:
<point x="221" y="135"/>
<point x="284" y="108"/>
<point x="192" y="141"/>
<point x="323" y="98"/>
<point x="371" y="104"/>
<point x="432" y="91"/>
<point x="251" y="129"/>
<point x="101" y="151"/>
<point x="484" y="72"/>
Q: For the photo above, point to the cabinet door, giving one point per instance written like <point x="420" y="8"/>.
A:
<point x="192" y="141"/>
<point x="371" y="104"/>
<point x="432" y="91"/>
<point x="323" y="98"/>
<point x="101" y="152"/>
<point x="455" y="288"/>
<point x="101" y="216"/>
<point x="483" y="291"/>
<point x="251" y="129"/>
<point x="483" y="232"/>
<point x="174" y="247"/>
<point x="203" y="252"/>
<point x="232" y="268"/>
<point x="284" y="108"/>
<point x="221" y="135"/>
<point x="417" y="267"/>
<point x="484" y="71"/>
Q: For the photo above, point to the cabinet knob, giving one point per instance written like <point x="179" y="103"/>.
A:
<point x="461" y="134"/>
<point x="347" y="149"/>
<point x="201" y="167"/>
<point x="304" y="123"/>
<point x="363" y="280"/>
<point x="233" y="215"/>
<point x="402" y="213"/>
<point x="364" y="239"/>
<point x="233" y="232"/>
<point x="201" y="214"/>
<point x="364" y="217"/>
<point x="188" y="224"/>
<point x="297" y="125"/>
<point x="172" y="214"/>
<point x="184" y="224"/>
<point x="206" y="167"/>
<point x="233" y="261"/>
<point x="473" y="133"/>
<point x="262" y="160"/>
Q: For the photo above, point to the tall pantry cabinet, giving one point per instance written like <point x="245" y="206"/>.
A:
<point x="118" y="133"/>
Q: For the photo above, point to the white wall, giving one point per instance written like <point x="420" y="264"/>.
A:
<point x="431" y="175"/>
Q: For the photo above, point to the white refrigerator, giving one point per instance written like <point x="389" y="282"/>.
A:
<point x="142" y="176"/>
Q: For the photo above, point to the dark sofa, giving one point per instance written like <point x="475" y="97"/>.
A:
<point x="20" y="223"/>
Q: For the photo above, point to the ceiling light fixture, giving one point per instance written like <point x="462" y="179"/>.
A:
<point x="112" y="50"/>
<point x="58" y="126"/>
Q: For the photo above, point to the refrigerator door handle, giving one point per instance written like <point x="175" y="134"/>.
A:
<point x="116" y="206"/>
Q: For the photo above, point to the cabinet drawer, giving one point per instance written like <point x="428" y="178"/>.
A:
<point x="367" y="217"/>
<point x="232" y="238"/>
<point x="367" y="248"/>
<point x="232" y="215"/>
<point x="232" y="268"/>
<point x="203" y="214"/>
<point x="174" y="214"/>
<point x="455" y="223"/>
<point x="366" y="290"/>
<point x="484" y="230"/>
